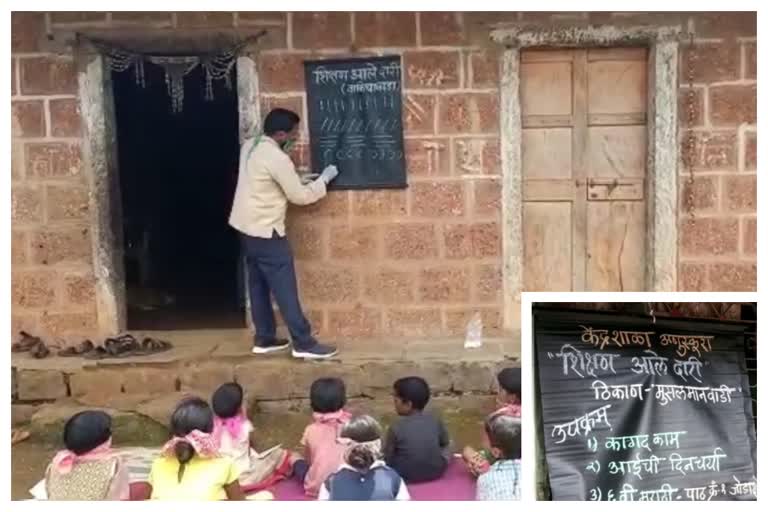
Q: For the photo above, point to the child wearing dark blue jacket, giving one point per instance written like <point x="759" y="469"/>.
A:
<point x="363" y="476"/>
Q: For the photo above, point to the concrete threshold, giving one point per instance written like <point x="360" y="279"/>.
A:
<point x="235" y="344"/>
<point x="201" y="360"/>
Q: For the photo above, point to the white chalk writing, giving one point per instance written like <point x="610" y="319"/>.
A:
<point x="696" y="493"/>
<point x="687" y="344"/>
<point x="370" y="87"/>
<point x="427" y="77"/>
<point x="366" y="73"/>
<point x="715" y="490"/>
<point x="356" y="151"/>
<point x="391" y="70"/>
<point x="600" y="337"/>
<point x="616" y="391"/>
<point x="666" y="393"/>
<point x="582" y="425"/>
<point x="651" y="364"/>
<point x="622" y="443"/>
<point x="582" y="363"/>
<point x="664" y="493"/>
<point x="637" y="467"/>
<point x="743" y="488"/>
<point x="690" y="368"/>
<point x="697" y="463"/>
<point x="323" y="75"/>
<point x="668" y="439"/>
<point x="629" y="493"/>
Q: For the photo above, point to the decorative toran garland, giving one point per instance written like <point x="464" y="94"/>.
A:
<point x="217" y="66"/>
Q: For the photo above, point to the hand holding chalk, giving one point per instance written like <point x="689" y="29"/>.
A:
<point x="329" y="173"/>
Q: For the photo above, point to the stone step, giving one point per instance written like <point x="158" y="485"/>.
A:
<point x="202" y="360"/>
<point x="145" y="423"/>
<point x="47" y="424"/>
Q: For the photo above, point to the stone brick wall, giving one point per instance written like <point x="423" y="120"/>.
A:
<point x="410" y="262"/>
<point x="719" y="223"/>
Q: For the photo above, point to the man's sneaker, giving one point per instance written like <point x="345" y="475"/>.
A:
<point x="265" y="346"/>
<point x="316" y="351"/>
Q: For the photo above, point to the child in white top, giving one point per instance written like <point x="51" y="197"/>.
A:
<point x="232" y="430"/>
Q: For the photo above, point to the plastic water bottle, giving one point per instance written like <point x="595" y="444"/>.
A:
<point x="474" y="337"/>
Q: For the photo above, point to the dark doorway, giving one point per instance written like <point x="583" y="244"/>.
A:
<point x="178" y="173"/>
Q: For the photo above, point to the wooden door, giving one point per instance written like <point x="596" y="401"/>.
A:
<point x="584" y="168"/>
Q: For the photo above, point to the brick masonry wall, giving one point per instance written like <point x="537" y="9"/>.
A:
<point x="410" y="262"/>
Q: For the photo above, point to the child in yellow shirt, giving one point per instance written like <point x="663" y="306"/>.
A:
<point x="190" y="467"/>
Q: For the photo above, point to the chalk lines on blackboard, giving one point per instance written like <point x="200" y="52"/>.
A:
<point x="582" y="425"/>
<point x="584" y="363"/>
<point x="601" y="338"/>
<point x="665" y="393"/>
<point x="339" y="136"/>
<point x="637" y="466"/>
<point x="653" y="364"/>
<point x="360" y="152"/>
<point x="660" y="439"/>
<point x="617" y="391"/>
<point x="688" y="343"/>
<point x="701" y="463"/>
<point x="376" y="127"/>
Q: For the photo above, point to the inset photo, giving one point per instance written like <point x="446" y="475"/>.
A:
<point x="652" y="401"/>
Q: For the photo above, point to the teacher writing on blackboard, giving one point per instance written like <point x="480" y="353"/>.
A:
<point x="267" y="181"/>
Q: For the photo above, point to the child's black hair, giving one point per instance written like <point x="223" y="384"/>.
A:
<point x="504" y="433"/>
<point x="227" y="400"/>
<point x="509" y="380"/>
<point x="328" y="394"/>
<point x="414" y="390"/>
<point x="87" y="430"/>
<point x="191" y="414"/>
<point x="362" y="429"/>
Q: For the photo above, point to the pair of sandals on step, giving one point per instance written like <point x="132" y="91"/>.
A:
<point x="121" y="346"/>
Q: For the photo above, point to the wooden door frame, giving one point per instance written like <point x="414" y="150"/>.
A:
<point x="663" y="146"/>
<point x="102" y="174"/>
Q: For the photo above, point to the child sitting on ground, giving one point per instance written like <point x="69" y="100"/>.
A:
<point x="323" y="454"/>
<point x="502" y="480"/>
<point x="232" y="429"/>
<point x="417" y="445"/>
<point x="88" y="469"/>
<point x="190" y="467"/>
<point x="507" y="404"/>
<point x="364" y="476"/>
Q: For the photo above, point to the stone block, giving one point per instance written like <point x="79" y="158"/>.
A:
<point x="204" y="378"/>
<point x="40" y="384"/>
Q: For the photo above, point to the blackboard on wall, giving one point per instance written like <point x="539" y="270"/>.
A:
<point x="355" y="121"/>
<point x="637" y="410"/>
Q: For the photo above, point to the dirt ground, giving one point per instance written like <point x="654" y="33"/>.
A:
<point x="29" y="458"/>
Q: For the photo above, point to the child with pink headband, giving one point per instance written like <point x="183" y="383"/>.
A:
<point x="87" y="469"/>
<point x="232" y="430"/>
<point x="190" y="466"/>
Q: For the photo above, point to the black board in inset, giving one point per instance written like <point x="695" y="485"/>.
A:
<point x="634" y="409"/>
<point x="355" y="121"/>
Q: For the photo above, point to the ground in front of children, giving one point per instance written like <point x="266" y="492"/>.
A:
<point x="463" y="384"/>
<point x="29" y="458"/>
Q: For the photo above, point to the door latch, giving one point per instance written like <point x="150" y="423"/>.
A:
<point x="624" y="189"/>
